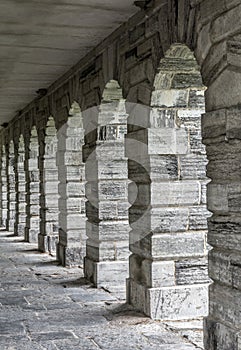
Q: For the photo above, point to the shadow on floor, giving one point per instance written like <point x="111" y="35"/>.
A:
<point x="47" y="263"/>
<point x="33" y="250"/>
<point x="9" y="235"/>
<point x="75" y="283"/>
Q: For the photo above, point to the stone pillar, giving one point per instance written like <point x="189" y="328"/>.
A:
<point x="221" y="130"/>
<point x="1" y="185"/>
<point x="48" y="236"/>
<point x="33" y="184"/>
<point x="11" y="193"/>
<point x="4" y="187"/>
<point x="168" y="265"/>
<point x="72" y="221"/>
<point x="107" y="251"/>
<point x="20" y="223"/>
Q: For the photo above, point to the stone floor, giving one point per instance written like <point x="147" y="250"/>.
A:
<point x="45" y="306"/>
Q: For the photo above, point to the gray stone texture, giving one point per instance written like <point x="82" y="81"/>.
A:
<point x="169" y="177"/>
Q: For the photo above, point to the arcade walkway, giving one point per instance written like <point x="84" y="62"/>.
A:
<point x="45" y="306"/>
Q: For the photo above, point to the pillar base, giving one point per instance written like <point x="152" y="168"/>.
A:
<point x="218" y="336"/>
<point x="70" y="256"/>
<point x="47" y="244"/>
<point x="110" y="275"/>
<point x="169" y="303"/>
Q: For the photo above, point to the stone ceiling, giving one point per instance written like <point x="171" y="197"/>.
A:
<point x="41" y="39"/>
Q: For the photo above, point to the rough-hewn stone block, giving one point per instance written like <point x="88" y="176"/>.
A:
<point x="178" y="245"/>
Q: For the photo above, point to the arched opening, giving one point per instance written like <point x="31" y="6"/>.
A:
<point x="20" y="223"/>
<point x="72" y="221"/>
<point x="49" y="211"/>
<point x="107" y="250"/>
<point x="4" y="187"/>
<point x="169" y="278"/>
<point x="11" y="190"/>
<point x="33" y="182"/>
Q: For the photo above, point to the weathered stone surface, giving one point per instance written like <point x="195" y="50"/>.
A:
<point x="167" y="164"/>
<point x="192" y="271"/>
<point x="219" y="336"/>
<point x="193" y="166"/>
<point x="168" y="170"/>
<point x="182" y="81"/>
<point x="153" y="274"/>
<point x="108" y="230"/>
<point x="170" y="303"/>
<point x="198" y="218"/>
<point x="158" y="220"/>
<point x="179" y="245"/>
<point x="170" y="98"/>
<point x="107" y="251"/>
<point x="110" y="275"/>
<point x="174" y="193"/>
<point x="167" y="141"/>
<point x="215" y="99"/>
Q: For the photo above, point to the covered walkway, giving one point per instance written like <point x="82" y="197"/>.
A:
<point x="46" y="306"/>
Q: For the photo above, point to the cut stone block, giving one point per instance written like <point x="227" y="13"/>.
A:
<point x="108" y="274"/>
<point x="169" y="303"/>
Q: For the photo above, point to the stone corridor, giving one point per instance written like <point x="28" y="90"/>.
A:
<point x="120" y="169"/>
<point x="46" y="306"/>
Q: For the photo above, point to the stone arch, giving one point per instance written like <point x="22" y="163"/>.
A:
<point x="11" y="184"/>
<point x="107" y="251"/>
<point x="72" y="237"/>
<point x="33" y="183"/>
<point x="168" y="265"/>
<point x="49" y="211"/>
<point x="20" y="222"/>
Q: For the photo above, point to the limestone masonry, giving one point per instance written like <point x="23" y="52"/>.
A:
<point x="129" y="165"/>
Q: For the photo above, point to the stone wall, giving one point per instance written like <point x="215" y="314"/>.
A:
<point x="220" y="27"/>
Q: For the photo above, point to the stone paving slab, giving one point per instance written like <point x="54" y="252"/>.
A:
<point x="46" y="306"/>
